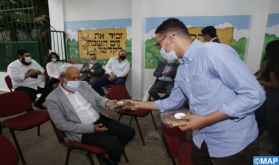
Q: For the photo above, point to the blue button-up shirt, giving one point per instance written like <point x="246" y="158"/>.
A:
<point x="212" y="77"/>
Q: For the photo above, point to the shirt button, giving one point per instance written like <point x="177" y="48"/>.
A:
<point x="191" y="94"/>
<point x="187" y="80"/>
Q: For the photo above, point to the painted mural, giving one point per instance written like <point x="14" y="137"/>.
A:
<point x="232" y="30"/>
<point x="74" y="27"/>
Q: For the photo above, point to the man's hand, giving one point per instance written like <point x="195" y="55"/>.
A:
<point x="193" y="122"/>
<point x="199" y="122"/>
<point x="165" y="73"/>
<point x="87" y="69"/>
<point x="111" y="104"/>
<point x="100" y="128"/>
<point x="132" y="104"/>
<point x="111" y="77"/>
<point x="32" y="72"/>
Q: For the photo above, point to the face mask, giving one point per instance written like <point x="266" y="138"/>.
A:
<point x="92" y="61"/>
<point x="53" y="59"/>
<point x="122" y="57"/>
<point x="170" y="56"/>
<point x="28" y="59"/>
<point x="72" y="85"/>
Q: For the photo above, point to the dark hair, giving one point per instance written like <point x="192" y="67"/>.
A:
<point x="272" y="50"/>
<point x="21" y="52"/>
<point x="210" y="30"/>
<point x="122" y="50"/>
<point x="172" y="25"/>
<point x="53" y="54"/>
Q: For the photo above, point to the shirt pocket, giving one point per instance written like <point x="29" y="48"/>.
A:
<point x="200" y="84"/>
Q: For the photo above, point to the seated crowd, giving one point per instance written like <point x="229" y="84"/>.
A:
<point x="76" y="101"/>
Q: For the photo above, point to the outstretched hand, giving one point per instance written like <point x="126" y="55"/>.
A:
<point x="111" y="104"/>
<point x="132" y="105"/>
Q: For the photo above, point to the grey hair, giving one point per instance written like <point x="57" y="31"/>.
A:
<point x="64" y="68"/>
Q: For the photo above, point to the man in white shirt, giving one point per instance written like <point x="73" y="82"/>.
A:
<point x="116" y="69"/>
<point x="27" y="75"/>
<point x="77" y="109"/>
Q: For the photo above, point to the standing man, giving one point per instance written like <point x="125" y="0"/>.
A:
<point x="209" y="34"/>
<point x="26" y="75"/>
<point x="117" y="70"/>
<point x="222" y="93"/>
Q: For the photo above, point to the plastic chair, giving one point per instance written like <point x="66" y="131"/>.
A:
<point x="119" y="92"/>
<point x="8" y="152"/>
<point x="177" y="146"/>
<point x="71" y="145"/>
<point x="9" y="83"/>
<point x="17" y="106"/>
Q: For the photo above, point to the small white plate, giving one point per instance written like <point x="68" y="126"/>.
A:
<point x="179" y="115"/>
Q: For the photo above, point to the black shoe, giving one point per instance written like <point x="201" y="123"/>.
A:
<point x="105" y="161"/>
<point x="274" y="153"/>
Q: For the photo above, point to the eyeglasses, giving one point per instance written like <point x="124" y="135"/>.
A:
<point x="158" y="43"/>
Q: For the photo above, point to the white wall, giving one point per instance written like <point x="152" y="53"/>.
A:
<point x="77" y="10"/>
<point x="3" y="86"/>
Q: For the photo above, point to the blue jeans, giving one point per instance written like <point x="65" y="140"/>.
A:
<point x="104" y="81"/>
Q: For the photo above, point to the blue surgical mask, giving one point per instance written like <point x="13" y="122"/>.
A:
<point x="170" y="56"/>
<point x="72" y="85"/>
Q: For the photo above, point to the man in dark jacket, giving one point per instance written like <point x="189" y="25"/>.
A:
<point x="164" y="73"/>
<point x="209" y="34"/>
<point x="92" y="70"/>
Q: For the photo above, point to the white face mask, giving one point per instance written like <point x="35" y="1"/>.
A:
<point x="72" y="85"/>
<point x="53" y="59"/>
<point x="171" y="55"/>
<point x="92" y="61"/>
<point x="28" y="59"/>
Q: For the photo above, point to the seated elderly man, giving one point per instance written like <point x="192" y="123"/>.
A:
<point x="77" y="109"/>
<point x="117" y="69"/>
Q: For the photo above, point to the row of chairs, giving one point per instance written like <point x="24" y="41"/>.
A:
<point x="117" y="92"/>
<point x="16" y="108"/>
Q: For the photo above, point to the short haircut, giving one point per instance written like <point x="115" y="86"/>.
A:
<point x="122" y="50"/>
<point x="172" y="25"/>
<point x="64" y="68"/>
<point x="210" y="30"/>
<point x="53" y="54"/>
<point x="21" y="52"/>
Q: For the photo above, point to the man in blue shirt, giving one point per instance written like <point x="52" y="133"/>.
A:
<point x="222" y="93"/>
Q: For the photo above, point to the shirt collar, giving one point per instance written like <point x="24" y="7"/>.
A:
<point x="212" y="39"/>
<point x="188" y="55"/>
<point x="64" y="91"/>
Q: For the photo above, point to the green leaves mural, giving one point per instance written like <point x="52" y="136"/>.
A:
<point x="240" y="46"/>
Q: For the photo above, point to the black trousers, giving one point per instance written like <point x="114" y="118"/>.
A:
<point x="159" y="85"/>
<point x="267" y="117"/>
<point x="32" y="93"/>
<point x="113" y="140"/>
<point x="244" y="157"/>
